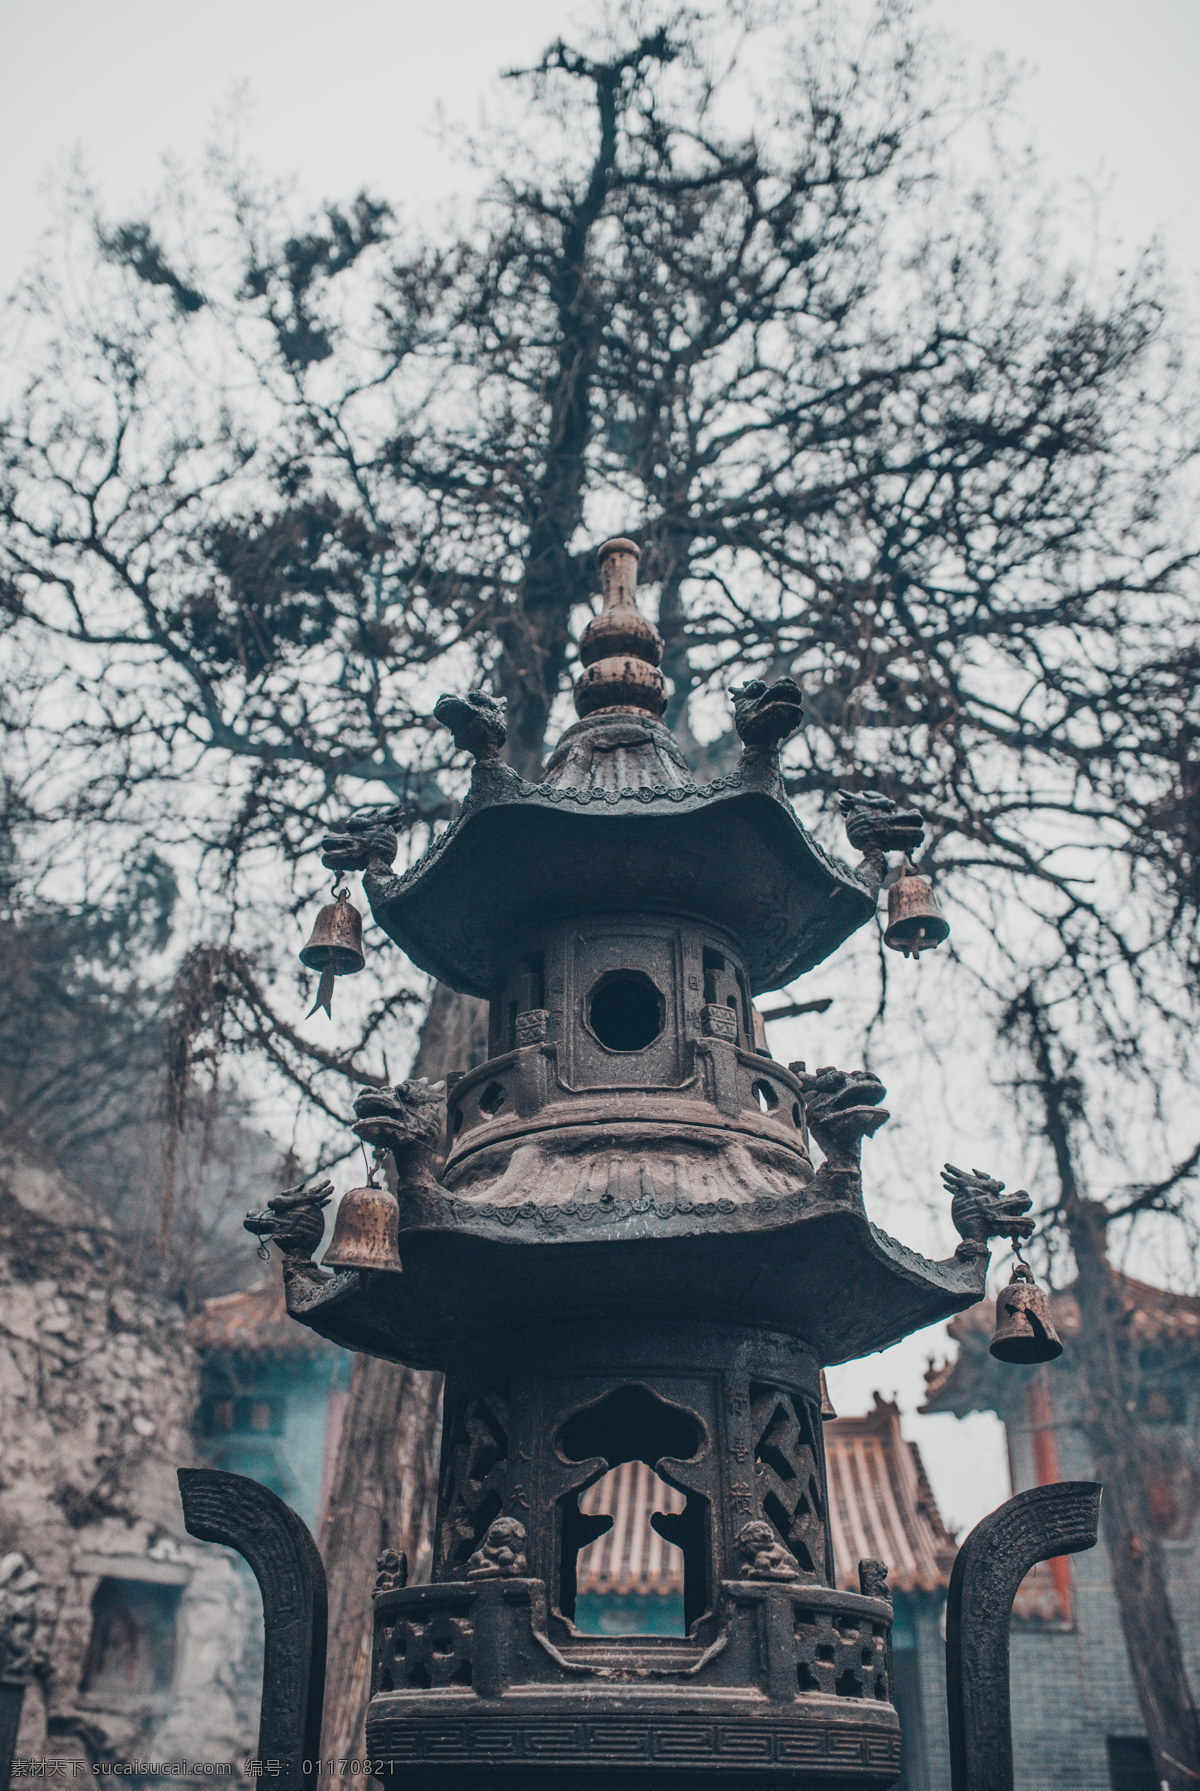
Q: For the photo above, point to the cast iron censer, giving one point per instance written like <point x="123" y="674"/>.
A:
<point x="628" y="1254"/>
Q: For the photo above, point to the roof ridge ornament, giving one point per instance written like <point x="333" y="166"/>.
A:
<point x="620" y="649"/>
<point x="765" y="715"/>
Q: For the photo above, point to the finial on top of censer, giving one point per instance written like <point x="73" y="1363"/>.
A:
<point x="620" y="648"/>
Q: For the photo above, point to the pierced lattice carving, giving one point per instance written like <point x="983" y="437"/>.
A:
<point x="841" y="1655"/>
<point x="420" y="1655"/>
<point x="787" y="1474"/>
<point x="474" y="1470"/>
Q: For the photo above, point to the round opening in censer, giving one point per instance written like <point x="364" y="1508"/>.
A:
<point x="626" y="1010"/>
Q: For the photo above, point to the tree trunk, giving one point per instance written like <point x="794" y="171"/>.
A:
<point x="385" y="1475"/>
<point x="384" y="1482"/>
<point x="1109" y="1373"/>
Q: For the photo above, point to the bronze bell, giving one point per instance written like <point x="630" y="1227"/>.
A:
<point x="364" y="1237"/>
<point x="335" y="947"/>
<point x="1024" y="1332"/>
<point x="915" y="922"/>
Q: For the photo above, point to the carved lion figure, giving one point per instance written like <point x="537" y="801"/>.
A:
<point x="873" y="1579"/>
<point x="761" y="1555"/>
<point x="391" y="1571"/>
<point x="501" y="1554"/>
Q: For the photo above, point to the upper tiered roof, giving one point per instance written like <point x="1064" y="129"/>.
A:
<point x="618" y="823"/>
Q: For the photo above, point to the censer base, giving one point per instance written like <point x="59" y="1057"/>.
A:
<point x="509" y="1706"/>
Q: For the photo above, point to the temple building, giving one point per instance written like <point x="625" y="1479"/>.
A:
<point x="271" y="1396"/>
<point x="1076" y="1723"/>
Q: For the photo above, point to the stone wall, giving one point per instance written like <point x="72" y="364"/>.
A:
<point x="148" y="1642"/>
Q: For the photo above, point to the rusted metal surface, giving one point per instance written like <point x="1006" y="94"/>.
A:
<point x="1024" y="1329"/>
<point x="334" y="947"/>
<point x="275" y="1543"/>
<point x="1042" y="1524"/>
<point x="364" y="1236"/>
<point x="915" y="922"/>
<point x="336" y="939"/>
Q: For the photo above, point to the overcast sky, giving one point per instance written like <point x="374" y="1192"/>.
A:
<point x="344" y="96"/>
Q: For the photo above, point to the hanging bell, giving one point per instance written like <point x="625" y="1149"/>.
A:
<point x="335" y="948"/>
<point x="915" y="922"/>
<point x="365" y="1234"/>
<point x="1024" y="1332"/>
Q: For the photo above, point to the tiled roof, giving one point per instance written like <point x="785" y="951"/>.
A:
<point x="253" y="1323"/>
<point x="880" y="1505"/>
<point x="631" y="1557"/>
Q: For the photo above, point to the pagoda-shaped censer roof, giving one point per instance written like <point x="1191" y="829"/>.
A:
<point x="616" y="823"/>
<point x="628" y="1146"/>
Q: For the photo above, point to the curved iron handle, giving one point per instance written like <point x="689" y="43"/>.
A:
<point x="1035" y="1526"/>
<point x="276" y="1545"/>
<point x="11" y="1699"/>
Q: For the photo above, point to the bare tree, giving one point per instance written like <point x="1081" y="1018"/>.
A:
<point x="83" y="1034"/>
<point x="1106" y="1356"/>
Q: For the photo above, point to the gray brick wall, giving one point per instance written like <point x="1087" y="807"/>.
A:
<point x="1071" y="1685"/>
